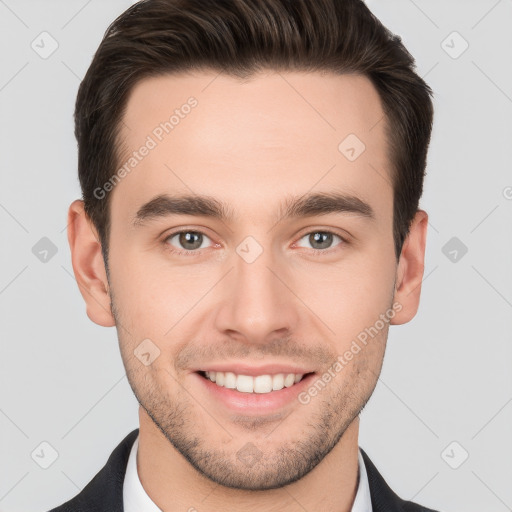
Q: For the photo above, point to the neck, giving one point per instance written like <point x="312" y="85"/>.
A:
<point x="174" y="484"/>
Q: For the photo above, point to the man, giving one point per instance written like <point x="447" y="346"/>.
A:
<point x="251" y="172"/>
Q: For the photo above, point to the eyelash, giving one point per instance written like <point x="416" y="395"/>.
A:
<point x="195" y="252"/>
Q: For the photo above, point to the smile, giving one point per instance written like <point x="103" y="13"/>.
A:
<point x="249" y="384"/>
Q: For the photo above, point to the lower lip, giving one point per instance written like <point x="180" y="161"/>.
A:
<point x="255" y="403"/>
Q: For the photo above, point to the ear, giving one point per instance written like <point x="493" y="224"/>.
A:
<point x="88" y="265"/>
<point x="410" y="270"/>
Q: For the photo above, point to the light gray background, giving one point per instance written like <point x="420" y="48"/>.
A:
<point x="447" y="374"/>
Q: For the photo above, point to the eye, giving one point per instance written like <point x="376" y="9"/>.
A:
<point x="321" y="240"/>
<point x="187" y="239"/>
<point x="190" y="242"/>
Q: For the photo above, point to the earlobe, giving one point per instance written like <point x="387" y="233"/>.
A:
<point x="410" y="270"/>
<point x="88" y="265"/>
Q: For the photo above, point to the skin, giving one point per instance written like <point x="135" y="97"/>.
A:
<point x="251" y="144"/>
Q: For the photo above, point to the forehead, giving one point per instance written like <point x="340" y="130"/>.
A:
<point x="248" y="141"/>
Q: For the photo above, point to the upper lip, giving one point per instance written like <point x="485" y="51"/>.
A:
<point x="253" y="371"/>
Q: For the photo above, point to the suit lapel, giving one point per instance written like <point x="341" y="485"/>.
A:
<point x="383" y="498"/>
<point x="104" y="493"/>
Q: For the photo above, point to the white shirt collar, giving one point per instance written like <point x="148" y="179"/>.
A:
<point x="363" y="501"/>
<point x="135" y="498"/>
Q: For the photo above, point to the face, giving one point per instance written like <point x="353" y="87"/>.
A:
<point x="272" y="255"/>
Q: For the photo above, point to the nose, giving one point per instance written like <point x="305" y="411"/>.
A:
<point x="256" y="301"/>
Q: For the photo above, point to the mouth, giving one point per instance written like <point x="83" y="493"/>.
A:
<point x="259" y="384"/>
<point x="268" y="390"/>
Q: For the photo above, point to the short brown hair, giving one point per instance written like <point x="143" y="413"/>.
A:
<point x="241" y="37"/>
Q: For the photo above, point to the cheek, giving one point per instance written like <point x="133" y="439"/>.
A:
<point x="139" y="308"/>
<point x="154" y="299"/>
<point x="351" y="297"/>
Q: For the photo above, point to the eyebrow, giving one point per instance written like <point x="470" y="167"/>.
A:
<point x="310" y="204"/>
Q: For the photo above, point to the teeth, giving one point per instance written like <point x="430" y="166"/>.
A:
<point x="259" y="384"/>
<point x="278" y="382"/>
<point x="245" y="384"/>
<point x="229" y="380"/>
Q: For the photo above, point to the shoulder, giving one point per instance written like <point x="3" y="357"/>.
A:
<point x="105" y="491"/>
<point x="382" y="496"/>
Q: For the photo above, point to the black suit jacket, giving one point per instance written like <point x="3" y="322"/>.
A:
<point x="104" y="493"/>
